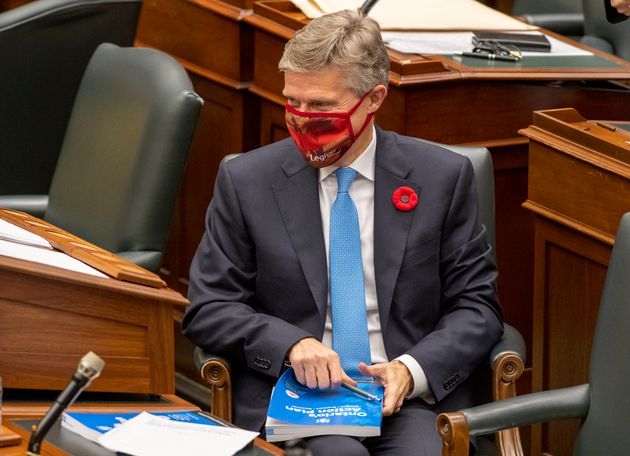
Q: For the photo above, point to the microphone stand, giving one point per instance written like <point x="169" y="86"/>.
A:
<point x="89" y="368"/>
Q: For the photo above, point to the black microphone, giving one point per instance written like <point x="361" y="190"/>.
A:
<point x="367" y="6"/>
<point x="89" y="368"/>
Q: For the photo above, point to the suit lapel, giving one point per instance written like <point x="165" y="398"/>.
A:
<point x="391" y="226"/>
<point x="298" y="199"/>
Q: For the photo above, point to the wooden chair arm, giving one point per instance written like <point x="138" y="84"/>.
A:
<point x="507" y="369"/>
<point x="216" y="372"/>
<point x="453" y="429"/>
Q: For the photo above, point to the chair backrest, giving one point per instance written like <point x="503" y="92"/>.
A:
<point x="484" y="175"/>
<point x="125" y="150"/>
<point x="605" y="429"/>
<point x="522" y="7"/>
<point x="45" y="46"/>
<point x="603" y="35"/>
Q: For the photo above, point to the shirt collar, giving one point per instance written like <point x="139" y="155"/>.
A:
<point x="363" y="164"/>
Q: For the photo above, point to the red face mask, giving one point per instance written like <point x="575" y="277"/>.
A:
<point x="323" y="137"/>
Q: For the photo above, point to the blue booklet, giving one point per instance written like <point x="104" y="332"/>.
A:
<point x="92" y="425"/>
<point x="296" y="411"/>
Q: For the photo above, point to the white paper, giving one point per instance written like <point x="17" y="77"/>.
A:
<point x="150" y="435"/>
<point x="11" y="232"/>
<point x="46" y="256"/>
<point x="422" y="14"/>
<point x="454" y="42"/>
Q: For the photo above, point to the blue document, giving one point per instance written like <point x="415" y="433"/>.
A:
<point x="297" y="411"/>
<point x="92" y="425"/>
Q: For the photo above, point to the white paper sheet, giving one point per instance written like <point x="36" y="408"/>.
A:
<point x="46" y="256"/>
<point x="454" y="42"/>
<point x="422" y="14"/>
<point x="149" y="435"/>
<point x="13" y="233"/>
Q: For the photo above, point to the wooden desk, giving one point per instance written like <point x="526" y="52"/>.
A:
<point x="579" y="187"/>
<point x="168" y="403"/>
<point x="51" y="317"/>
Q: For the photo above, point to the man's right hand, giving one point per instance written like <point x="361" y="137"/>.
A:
<point x="623" y="6"/>
<point x="316" y="365"/>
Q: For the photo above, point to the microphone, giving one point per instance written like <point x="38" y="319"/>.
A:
<point x="367" y="6"/>
<point x="89" y="368"/>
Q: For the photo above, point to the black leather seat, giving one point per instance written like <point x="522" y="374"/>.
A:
<point x="123" y="155"/>
<point x="45" y="46"/>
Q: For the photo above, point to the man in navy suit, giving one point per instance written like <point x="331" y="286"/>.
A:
<point x="259" y="283"/>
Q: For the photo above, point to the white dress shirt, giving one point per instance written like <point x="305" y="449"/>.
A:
<point x="362" y="193"/>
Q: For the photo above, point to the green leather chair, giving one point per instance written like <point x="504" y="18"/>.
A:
<point x="123" y="155"/>
<point x="505" y="362"/>
<point x="45" y="46"/>
<point x="561" y="16"/>
<point x="602" y="403"/>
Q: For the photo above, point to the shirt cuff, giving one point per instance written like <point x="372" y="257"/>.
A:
<point x="421" y="387"/>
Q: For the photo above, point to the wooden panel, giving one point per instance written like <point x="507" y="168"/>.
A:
<point x="576" y="189"/>
<point x="51" y="318"/>
<point x="209" y="34"/>
<point x="74" y="333"/>
<point x="268" y="50"/>
<point x="52" y="371"/>
<point x="570" y="273"/>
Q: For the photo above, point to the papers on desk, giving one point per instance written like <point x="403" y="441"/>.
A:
<point x="13" y="233"/>
<point x="457" y="42"/>
<point x="16" y="242"/>
<point x="422" y="14"/>
<point x="150" y="435"/>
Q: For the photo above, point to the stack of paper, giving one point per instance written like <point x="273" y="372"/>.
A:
<point x="160" y="434"/>
<point x="422" y="14"/>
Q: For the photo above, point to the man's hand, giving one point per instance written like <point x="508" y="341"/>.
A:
<point x="395" y="378"/>
<point x="623" y="6"/>
<point x="316" y="365"/>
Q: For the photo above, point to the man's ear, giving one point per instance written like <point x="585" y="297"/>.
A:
<point x="376" y="98"/>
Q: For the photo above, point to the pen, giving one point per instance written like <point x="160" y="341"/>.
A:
<point x="487" y="56"/>
<point x="360" y="392"/>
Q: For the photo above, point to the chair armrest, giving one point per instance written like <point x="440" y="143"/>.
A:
<point x="510" y="343"/>
<point x="148" y="259"/>
<point x="507" y="360"/>
<point x="571" y="24"/>
<point x="32" y="204"/>
<point x="215" y="370"/>
<point x="456" y="428"/>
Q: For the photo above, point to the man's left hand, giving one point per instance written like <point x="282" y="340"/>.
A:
<point x="395" y="378"/>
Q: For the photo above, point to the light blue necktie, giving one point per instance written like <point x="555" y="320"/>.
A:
<point x="347" y="293"/>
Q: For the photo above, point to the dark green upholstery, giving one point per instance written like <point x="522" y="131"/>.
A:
<point x="603" y="402"/>
<point x="561" y="16"/>
<point x="45" y="46"/>
<point x="124" y="153"/>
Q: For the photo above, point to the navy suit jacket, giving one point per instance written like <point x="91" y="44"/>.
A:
<point x="258" y="282"/>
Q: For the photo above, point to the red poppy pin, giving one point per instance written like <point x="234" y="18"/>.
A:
<point x="405" y="199"/>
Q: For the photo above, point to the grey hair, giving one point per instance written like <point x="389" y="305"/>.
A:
<point x="345" y="40"/>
